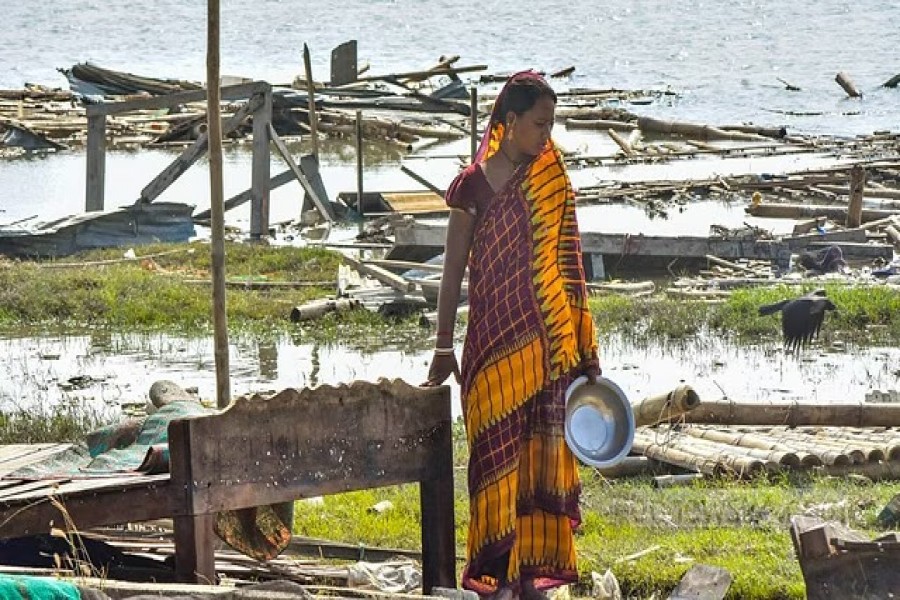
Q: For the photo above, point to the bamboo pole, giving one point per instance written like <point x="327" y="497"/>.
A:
<point x="731" y="457"/>
<point x="652" y="447"/>
<point x="849" y="415"/>
<point x="311" y="96"/>
<point x="217" y="244"/>
<point x="665" y="407"/>
<point x="621" y="142"/>
<point x="749" y="440"/>
<point x="780" y="454"/>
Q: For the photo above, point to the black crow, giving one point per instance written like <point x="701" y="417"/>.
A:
<point x="801" y="318"/>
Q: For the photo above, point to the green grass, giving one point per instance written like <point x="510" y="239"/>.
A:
<point x="740" y="526"/>
<point x="863" y="315"/>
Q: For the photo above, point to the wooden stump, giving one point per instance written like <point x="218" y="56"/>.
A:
<point x="857" y="185"/>
<point x="843" y="80"/>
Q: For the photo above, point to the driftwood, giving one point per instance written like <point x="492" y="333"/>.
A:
<point x="601" y="124"/>
<point x="844" y="81"/>
<point x="892" y="82"/>
<point x="692" y="130"/>
<point x="788" y="86"/>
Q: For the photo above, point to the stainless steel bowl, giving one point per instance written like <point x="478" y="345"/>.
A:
<point x="599" y="422"/>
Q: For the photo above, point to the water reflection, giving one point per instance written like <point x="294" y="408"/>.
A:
<point x="104" y="371"/>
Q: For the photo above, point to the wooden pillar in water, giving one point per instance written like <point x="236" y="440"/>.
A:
<point x="359" y="165"/>
<point x="259" y="185"/>
<point x="96" y="163"/>
<point x="857" y="185"/>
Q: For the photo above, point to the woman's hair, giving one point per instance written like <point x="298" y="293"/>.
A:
<point x="522" y="92"/>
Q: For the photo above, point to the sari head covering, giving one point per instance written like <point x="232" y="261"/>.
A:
<point x="530" y="333"/>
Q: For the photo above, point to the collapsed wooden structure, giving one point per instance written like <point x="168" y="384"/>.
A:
<point x="257" y="452"/>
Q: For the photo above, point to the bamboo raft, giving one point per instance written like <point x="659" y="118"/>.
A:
<point x="753" y="450"/>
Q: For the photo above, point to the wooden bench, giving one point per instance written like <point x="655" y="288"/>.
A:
<point x="259" y="451"/>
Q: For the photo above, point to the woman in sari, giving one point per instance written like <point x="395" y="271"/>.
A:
<point x="530" y="333"/>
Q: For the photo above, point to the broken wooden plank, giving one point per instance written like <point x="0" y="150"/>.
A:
<point x="181" y="164"/>
<point x="381" y="274"/>
<point x="324" y="209"/>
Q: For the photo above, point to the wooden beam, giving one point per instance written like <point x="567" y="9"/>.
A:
<point x="417" y="75"/>
<point x="95" y="178"/>
<point x="381" y="274"/>
<point x="259" y="176"/>
<point x="181" y="164"/>
<point x="244" y="197"/>
<point x="421" y="180"/>
<point x="232" y="92"/>
<point x="324" y="209"/>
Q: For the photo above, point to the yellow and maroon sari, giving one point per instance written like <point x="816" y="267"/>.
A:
<point x="529" y="334"/>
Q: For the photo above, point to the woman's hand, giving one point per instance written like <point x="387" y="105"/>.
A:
<point x="442" y="366"/>
<point x="590" y="367"/>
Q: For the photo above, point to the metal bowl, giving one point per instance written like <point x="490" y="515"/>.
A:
<point x="599" y="422"/>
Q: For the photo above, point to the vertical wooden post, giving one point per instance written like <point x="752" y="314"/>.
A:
<point x="260" y="169"/>
<point x="311" y="95"/>
<point x="857" y="185"/>
<point x="194" y="534"/>
<point x="96" y="163"/>
<point x="473" y="122"/>
<point x="217" y="204"/>
<point x="359" y="164"/>
<point x="195" y="543"/>
<point x="438" y="522"/>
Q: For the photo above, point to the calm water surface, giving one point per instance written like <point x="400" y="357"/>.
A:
<point x="115" y="370"/>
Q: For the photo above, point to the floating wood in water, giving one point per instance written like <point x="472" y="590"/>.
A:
<point x="692" y="130"/>
<point x="788" y="86"/>
<point x="844" y="81"/>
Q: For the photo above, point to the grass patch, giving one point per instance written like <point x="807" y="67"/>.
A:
<point x="68" y="423"/>
<point x="162" y="293"/>
<point x="863" y="315"/>
<point x="740" y="526"/>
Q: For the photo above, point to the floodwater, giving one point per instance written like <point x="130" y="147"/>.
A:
<point x="722" y="59"/>
<point x="105" y="372"/>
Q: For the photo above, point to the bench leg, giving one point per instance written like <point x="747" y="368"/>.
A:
<point x="438" y="528"/>
<point x="195" y="549"/>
